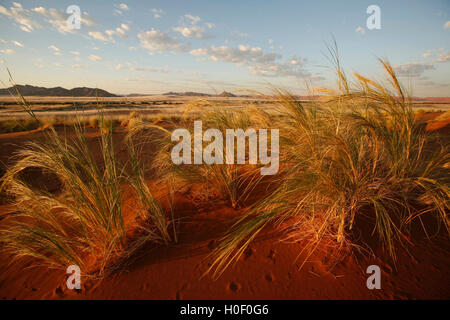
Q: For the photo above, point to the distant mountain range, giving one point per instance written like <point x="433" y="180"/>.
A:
<point x="189" y="94"/>
<point x="199" y="94"/>
<point x="227" y="94"/>
<point x="432" y="99"/>
<point x="27" y="90"/>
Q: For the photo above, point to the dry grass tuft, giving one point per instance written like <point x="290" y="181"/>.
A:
<point x="359" y="151"/>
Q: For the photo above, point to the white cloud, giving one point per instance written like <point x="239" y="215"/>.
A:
<point x="237" y="35"/>
<point x="258" y="62"/>
<point x="294" y="67"/>
<point x="193" y="31"/>
<point x="7" y="51"/>
<point x="17" y="43"/>
<point x="434" y="84"/>
<point x="58" y="19"/>
<point x="20" y="16"/>
<point x="2" y="41"/>
<point x="157" y="13"/>
<point x="447" y="25"/>
<point x="109" y="35"/>
<point x="94" y="57"/>
<point x="243" y="48"/>
<point x="123" y="6"/>
<point x="439" y="53"/>
<point x="99" y="36"/>
<point x="41" y="10"/>
<point x="360" y="30"/>
<point x="443" y="57"/>
<point x="199" y="52"/>
<point x="24" y="28"/>
<point x="413" y="69"/>
<point x="190" y="28"/>
<point x="118" y="32"/>
<point x="56" y="50"/>
<point x="242" y="54"/>
<point x="155" y="40"/>
<point x="76" y="53"/>
<point x="139" y="69"/>
<point x="194" y="19"/>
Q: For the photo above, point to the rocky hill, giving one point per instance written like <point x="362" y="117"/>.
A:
<point x="27" y="90"/>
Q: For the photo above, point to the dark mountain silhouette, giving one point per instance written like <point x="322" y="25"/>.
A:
<point x="137" y="95"/>
<point x="189" y="93"/>
<point x="226" y="94"/>
<point x="199" y="94"/>
<point x="432" y="99"/>
<point x="27" y="90"/>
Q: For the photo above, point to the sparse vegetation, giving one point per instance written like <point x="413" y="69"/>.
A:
<point x="358" y="153"/>
<point x="13" y="125"/>
<point x="235" y="182"/>
<point x="84" y="223"/>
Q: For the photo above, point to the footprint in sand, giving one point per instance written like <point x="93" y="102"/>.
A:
<point x="436" y="267"/>
<point x="233" y="286"/>
<point x="272" y="255"/>
<point x="88" y="285"/>
<point x="179" y="293"/>
<point x="145" y="286"/>
<point x="269" y="277"/>
<point x="212" y="245"/>
<point x="248" y="253"/>
<point x="59" y="292"/>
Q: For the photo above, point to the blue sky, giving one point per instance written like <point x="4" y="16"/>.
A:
<point x="159" y="46"/>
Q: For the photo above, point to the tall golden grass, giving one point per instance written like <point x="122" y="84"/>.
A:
<point x="358" y="153"/>
<point x="84" y="223"/>
<point x="235" y="182"/>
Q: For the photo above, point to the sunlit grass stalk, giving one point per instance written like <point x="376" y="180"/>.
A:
<point x="358" y="151"/>
<point x="82" y="223"/>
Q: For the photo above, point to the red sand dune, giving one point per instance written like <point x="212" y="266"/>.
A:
<point x="268" y="269"/>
